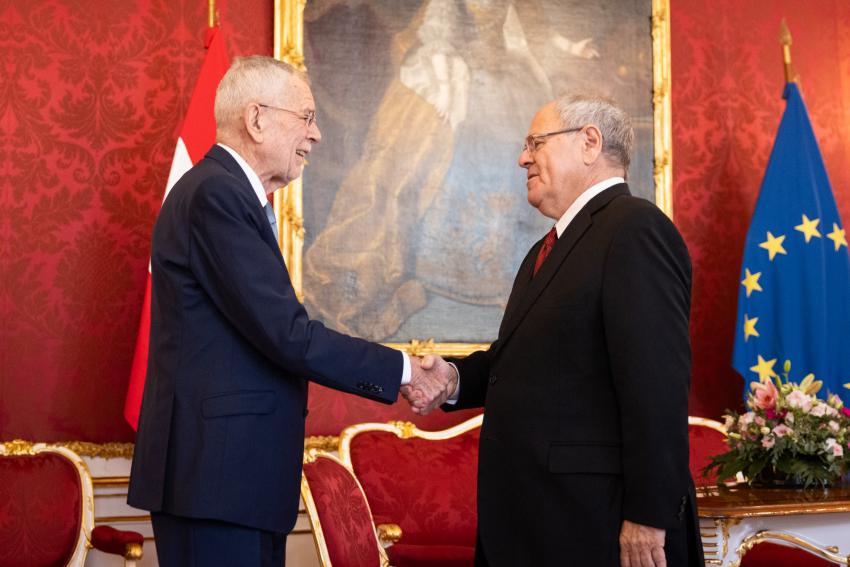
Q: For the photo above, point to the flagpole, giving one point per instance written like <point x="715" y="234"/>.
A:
<point x="785" y="41"/>
<point x="212" y="18"/>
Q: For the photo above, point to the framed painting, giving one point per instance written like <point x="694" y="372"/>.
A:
<point x="409" y="224"/>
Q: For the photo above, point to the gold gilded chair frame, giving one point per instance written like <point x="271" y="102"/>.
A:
<point x="310" y="455"/>
<point x="288" y="202"/>
<point x="402" y="430"/>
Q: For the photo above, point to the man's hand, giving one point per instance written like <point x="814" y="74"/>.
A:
<point x="641" y="546"/>
<point x="433" y="380"/>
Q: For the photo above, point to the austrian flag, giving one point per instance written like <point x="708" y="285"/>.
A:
<point x="197" y="134"/>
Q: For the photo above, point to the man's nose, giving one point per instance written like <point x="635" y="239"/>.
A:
<point x="314" y="134"/>
<point x="525" y="159"/>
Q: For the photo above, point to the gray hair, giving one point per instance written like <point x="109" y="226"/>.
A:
<point x="577" y="110"/>
<point x="257" y="78"/>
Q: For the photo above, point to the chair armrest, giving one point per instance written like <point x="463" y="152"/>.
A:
<point x="127" y="544"/>
<point x="388" y="534"/>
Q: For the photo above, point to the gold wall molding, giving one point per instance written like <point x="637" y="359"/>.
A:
<point x="288" y="202"/>
<point x="82" y="448"/>
<point x="661" y="106"/>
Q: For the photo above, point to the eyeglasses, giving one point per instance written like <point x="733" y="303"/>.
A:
<point x="308" y="117"/>
<point x="534" y="141"/>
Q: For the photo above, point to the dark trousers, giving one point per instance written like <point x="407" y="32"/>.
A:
<point x="188" y="542"/>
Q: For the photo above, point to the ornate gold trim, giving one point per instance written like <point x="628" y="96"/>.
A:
<point x="288" y="202"/>
<point x="829" y="553"/>
<point x="310" y="456"/>
<point x="420" y="348"/>
<point x="19" y="447"/>
<point x="661" y="106"/>
<point x="388" y="534"/>
<point x="98" y="450"/>
<point x="403" y="430"/>
<point x="321" y="442"/>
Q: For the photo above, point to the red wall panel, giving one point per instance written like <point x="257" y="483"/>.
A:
<point x="91" y="96"/>
<point x="727" y="86"/>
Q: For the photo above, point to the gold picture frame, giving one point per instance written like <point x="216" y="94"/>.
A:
<point x="288" y="202"/>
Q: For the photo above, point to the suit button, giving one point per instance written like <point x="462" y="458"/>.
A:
<point x="493" y="379"/>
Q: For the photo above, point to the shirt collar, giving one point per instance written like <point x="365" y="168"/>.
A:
<point x="252" y="176"/>
<point x="582" y="200"/>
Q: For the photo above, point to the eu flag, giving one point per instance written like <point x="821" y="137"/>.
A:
<point x="794" y="297"/>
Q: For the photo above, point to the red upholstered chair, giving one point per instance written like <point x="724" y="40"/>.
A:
<point x="707" y="438"/>
<point x="47" y="510"/>
<point x="339" y="514"/>
<point x="788" y="551"/>
<point x="423" y="481"/>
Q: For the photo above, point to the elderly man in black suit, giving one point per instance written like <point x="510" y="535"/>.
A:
<point x="584" y="448"/>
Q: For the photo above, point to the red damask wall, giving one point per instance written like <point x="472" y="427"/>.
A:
<point x="91" y="96"/>
<point x="727" y="87"/>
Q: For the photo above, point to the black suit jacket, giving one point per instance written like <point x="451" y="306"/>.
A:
<point x="221" y="430"/>
<point x="586" y="395"/>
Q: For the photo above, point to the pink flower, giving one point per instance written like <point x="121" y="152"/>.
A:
<point x="797" y="399"/>
<point x="833" y="426"/>
<point x="846" y="411"/>
<point x="765" y="395"/>
<point x="818" y="410"/>
<point x="782" y="430"/>
<point x="759" y="420"/>
<point x="768" y="442"/>
<point x="833" y="447"/>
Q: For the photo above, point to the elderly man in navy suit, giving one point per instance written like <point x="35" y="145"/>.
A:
<point x="219" y="448"/>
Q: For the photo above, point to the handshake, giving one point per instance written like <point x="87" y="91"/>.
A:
<point x="432" y="382"/>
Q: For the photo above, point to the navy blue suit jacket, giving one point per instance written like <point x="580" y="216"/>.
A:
<point x="221" y="430"/>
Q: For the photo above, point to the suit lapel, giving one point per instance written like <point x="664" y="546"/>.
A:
<point x="523" y="298"/>
<point x="224" y="158"/>
<point x="521" y="283"/>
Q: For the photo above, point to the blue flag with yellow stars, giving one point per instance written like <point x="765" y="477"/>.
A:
<point x="794" y="297"/>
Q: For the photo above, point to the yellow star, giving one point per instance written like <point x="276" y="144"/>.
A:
<point x="773" y="245"/>
<point x="751" y="281"/>
<point x="837" y="236"/>
<point x="764" y="369"/>
<point x="750" y="327"/>
<point x="809" y="228"/>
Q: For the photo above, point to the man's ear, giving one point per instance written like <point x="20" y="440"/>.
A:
<point x="253" y="123"/>
<point x="591" y="145"/>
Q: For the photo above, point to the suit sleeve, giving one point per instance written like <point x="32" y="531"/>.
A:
<point x="646" y="307"/>
<point x="473" y="374"/>
<point x="245" y="279"/>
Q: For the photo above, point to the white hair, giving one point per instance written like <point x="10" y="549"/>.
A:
<point x="577" y="110"/>
<point x="257" y="78"/>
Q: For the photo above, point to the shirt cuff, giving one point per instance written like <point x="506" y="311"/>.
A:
<point x="405" y="372"/>
<point x="456" y="394"/>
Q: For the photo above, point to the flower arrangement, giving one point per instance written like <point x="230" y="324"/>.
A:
<point x="788" y="435"/>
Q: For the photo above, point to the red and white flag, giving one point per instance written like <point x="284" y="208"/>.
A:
<point x="196" y="136"/>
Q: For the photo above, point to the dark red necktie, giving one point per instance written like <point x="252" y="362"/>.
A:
<point x="548" y="243"/>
